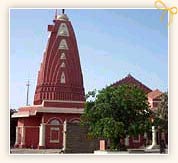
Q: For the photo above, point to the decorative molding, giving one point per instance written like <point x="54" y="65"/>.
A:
<point x="63" y="56"/>
<point x="63" y="30"/>
<point x="61" y="110"/>
<point x="67" y="101"/>
<point x="62" y="65"/>
<point x="63" y="45"/>
<point x="74" y="120"/>
<point x="54" y="118"/>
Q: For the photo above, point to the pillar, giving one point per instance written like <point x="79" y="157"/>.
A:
<point x="145" y="139"/>
<point x="103" y="146"/>
<point x="22" y="136"/>
<point x="154" y="143"/>
<point x="17" y="137"/>
<point x="127" y="141"/>
<point x="42" y="136"/>
<point x="64" y="135"/>
<point x="153" y="136"/>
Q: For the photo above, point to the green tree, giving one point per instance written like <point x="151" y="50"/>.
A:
<point x="117" y="112"/>
<point x="161" y="114"/>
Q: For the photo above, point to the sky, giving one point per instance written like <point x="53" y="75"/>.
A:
<point x="112" y="43"/>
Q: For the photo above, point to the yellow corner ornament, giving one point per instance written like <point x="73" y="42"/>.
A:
<point x="161" y="6"/>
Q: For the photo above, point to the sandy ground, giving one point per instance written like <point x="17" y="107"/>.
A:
<point x="35" y="151"/>
<point x="58" y="151"/>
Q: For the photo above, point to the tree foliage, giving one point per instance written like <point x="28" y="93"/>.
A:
<point x="117" y="112"/>
<point x="13" y="124"/>
<point x="161" y="114"/>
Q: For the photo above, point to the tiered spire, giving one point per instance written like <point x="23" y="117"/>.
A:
<point x="60" y="76"/>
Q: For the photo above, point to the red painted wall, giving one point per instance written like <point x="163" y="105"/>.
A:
<point x="31" y="137"/>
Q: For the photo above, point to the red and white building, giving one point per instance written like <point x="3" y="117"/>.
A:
<point x="154" y="98"/>
<point x="59" y="95"/>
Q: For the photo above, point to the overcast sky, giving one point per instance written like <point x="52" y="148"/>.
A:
<point x="111" y="43"/>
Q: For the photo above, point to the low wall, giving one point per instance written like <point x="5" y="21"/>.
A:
<point x="77" y="140"/>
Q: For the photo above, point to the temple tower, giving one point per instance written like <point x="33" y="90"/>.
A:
<point x="60" y="75"/>
<point x="59" y="96"/>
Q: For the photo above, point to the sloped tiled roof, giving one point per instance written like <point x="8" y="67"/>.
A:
<point x="155" y="94"/>
<point x="129" y="79"/>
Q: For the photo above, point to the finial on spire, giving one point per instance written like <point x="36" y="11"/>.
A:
<point x="129" y="75"/>
<point x="63" y="10"/>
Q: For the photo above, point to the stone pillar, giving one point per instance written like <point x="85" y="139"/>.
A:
<point x="42" y="136"/>
<point x="127" y="141"/>
<point x="22" y="136"/>
<point x="64" y="135"/>
<point x="102" y="145"/>
<point x="17" y="137"/>
<point x="153" y="136"/>
<point x="154" y="143"/>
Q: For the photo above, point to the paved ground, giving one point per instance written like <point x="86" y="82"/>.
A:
<point x="35" y="151"/>
<point x="58" y="151"/>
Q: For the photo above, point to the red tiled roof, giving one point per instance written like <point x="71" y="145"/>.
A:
<point x="129" y="79"/>
<point x="155" y="94"/>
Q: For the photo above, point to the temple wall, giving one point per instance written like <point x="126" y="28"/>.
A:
<point x="31" y="136"/>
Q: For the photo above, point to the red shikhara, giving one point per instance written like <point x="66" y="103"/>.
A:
<point x="59" y="95"/>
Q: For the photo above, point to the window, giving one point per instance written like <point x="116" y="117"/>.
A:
<point x="54" y="135"/>
<point x="63" y="30"/>
<point x="75" y="120"/>
<point x="54" y="122"/>
<point x="63" y="44"/>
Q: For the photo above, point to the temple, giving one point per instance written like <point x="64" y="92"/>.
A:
<point x="59" y="95"/>
<point x="154" y="98"/>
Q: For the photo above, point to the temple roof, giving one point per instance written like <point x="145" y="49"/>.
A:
<point x="129" y="79"/>
<point x="155" y="94"/>
<point x="60" y="75"/>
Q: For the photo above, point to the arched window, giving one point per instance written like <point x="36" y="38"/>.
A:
<point x="63" y="30"/>
<point x="54" y="131"/>
<point x="54" y="122"/>
<point x="63" y="80"/>
<point x="75" y="120"/>
<point x="63" y="44"/>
